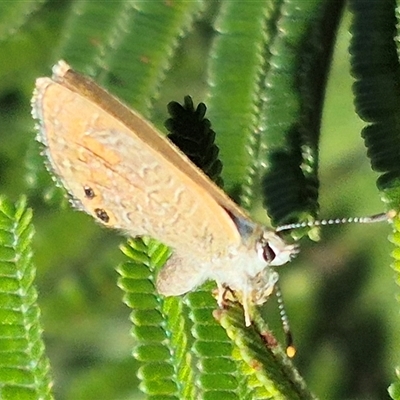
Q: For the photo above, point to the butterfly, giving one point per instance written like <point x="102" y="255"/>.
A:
<point x="122" y="171"/>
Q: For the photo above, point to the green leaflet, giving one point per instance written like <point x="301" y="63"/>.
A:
<point x="159" y="324"/>
<point x="267" y="108"/>
<point x="217" y="372"/>
<point x="24" y="368"/>
<point x="376" y="68"/>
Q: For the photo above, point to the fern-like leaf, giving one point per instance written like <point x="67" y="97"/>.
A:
<point x="278" y="98"/>
<point x="376" y="67"/>
<point x="192" y="133"/>
<point x="24" y="368"/>
<point x="273" y="374"/>
<point x="159" y="325"/>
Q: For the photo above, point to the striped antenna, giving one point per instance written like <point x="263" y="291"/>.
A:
<point x="290" y="348"/>
<point x="339" y="221"/>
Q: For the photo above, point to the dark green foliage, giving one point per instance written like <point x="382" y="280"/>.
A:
<point x="376" y="67"/>
<point x="192" y="133"/>
<point x="293" y="87"/>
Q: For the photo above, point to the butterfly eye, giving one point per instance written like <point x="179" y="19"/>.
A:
<point x="267" y="253"/>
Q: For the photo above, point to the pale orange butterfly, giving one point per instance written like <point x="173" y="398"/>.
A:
<point x="123" y="172"/>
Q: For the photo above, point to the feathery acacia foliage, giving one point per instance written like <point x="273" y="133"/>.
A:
<point x="24" y="367"/>
<point x="262" y="69"/>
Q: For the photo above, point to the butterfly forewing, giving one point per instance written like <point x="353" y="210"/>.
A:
<point x="122" y="171"/>
<point x="137" y="189"/>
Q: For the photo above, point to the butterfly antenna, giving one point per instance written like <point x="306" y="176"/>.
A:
<point x="290" y="349"/>
<point x="339" y="221"/>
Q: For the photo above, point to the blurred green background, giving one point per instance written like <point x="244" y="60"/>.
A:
<point x="339" y="293"/>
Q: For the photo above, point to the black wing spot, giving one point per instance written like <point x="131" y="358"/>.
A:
<point x="102" y="214"/>
<point x="89" y="192"/>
